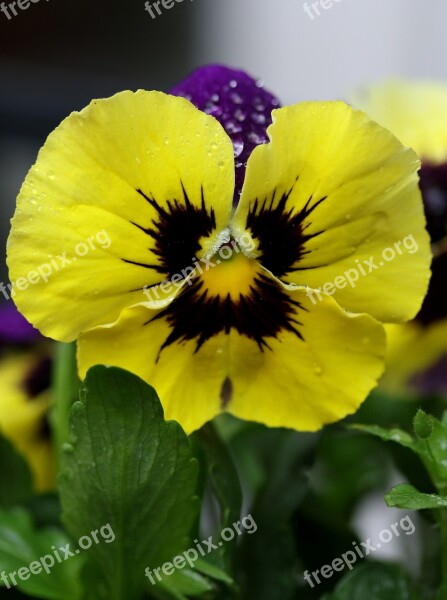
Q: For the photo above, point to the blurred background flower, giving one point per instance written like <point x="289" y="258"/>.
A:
<point x="25" y="377"/>
<point x="416" y="112"/>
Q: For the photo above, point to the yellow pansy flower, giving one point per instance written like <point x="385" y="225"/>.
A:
<point x="221" y="308"/>
<point x="416" y="112"/>
<point x="25" y="368"/>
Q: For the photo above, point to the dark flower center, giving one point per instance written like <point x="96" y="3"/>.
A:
<point x="38" y="378"/>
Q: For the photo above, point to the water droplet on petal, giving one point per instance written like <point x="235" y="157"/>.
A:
<point x="238" y="145"/>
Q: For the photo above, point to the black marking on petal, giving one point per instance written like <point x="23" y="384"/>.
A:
<point x="226" y="393"/>
<point x="176" y="231"/>
<point x="281" y="231"/>
<point x="38" y="379"/>
<point x="138" y="264"/>
<point x="260" y="315"/>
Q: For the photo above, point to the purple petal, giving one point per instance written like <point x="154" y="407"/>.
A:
<point x="14" y="328"/>
<point x="241" y="105"/>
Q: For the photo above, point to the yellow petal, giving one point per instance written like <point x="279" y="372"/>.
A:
<point x="22" y="419"/>
<point x="413" y="349"/>
<point x="290" y="382"/>
<point x="187" y="383"/>
<point x="415" y="111"/>
<point x="111" y="185"/>
<point x="334" y="201"/>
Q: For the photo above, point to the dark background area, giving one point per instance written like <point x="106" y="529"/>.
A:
<point x="57" y="55"/>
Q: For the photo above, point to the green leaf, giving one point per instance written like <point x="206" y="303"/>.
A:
<point x="268" y="557"/>
<point x="223" y="475"/>
<point x="432" y="450"/>
<point x="389" y="435"/>
<point x="423" y="425"/>
<point x="130" y="469"/>
<point x="16" y="481"/>
<point x="186" y="583"/>
<point x="21" y="545"/>
<point x="183" y="584"/>
<point x="213" y="572"/>
<point x="375" y="581"/>
<point x="407" y="496"/>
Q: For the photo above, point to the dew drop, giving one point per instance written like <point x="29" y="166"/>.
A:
<point x="258" y="118"/>
<point x="239" y="115"/>
<point x="238" y="146"/>
<point x="233" y="127"/>
<point x="51" y="175"/>
<point x="255" y="138"/>
<point x="318" y="370"/>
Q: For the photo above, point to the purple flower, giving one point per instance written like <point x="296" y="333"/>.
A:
<point x="14" y="328"/>
<point x="241" y="105"/>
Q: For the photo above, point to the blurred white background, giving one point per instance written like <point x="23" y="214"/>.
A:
<point x="353" y="43"/>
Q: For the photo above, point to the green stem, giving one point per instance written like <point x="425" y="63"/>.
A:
<point x="65" y="388"/>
